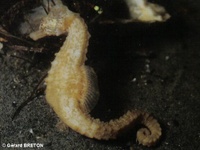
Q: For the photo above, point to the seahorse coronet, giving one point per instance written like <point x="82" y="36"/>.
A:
<point x="71" y="88"/>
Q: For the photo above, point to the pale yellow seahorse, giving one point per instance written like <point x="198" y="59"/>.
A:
<point x="72" y="89"/>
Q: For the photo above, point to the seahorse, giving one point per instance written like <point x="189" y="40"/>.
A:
<point x="72" y="87"/>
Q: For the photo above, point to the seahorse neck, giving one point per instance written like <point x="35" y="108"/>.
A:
<point x="74" y="48"/>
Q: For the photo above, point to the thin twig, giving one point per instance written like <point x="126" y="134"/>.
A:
<point x="9" y="37"/>
<point x="31" y="97"/>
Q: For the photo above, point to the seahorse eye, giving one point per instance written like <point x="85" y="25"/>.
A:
<point x="49" y="26"/>
<point x="52" y="24"/>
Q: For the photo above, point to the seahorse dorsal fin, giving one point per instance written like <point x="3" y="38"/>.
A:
<point x="92" y="95"/>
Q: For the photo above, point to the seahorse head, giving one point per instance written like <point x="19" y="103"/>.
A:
<point x="55" y="23"/>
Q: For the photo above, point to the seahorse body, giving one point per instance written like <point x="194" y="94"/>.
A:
<point x="72" y="89"/>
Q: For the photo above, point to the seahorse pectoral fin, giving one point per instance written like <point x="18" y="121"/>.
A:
<point x="92" y="95"/>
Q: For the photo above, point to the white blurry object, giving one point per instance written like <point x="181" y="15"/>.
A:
<point x="144" y="11"/>
<point x="1" y="45"/>
<point x="33" y="19"/>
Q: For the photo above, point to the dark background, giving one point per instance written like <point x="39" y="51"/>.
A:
<point x="163" y="58"/>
